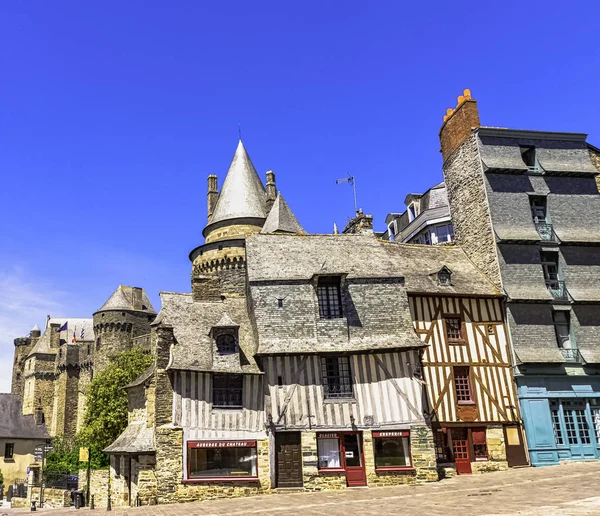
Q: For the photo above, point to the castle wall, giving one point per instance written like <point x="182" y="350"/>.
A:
<point x="23" y="347"/>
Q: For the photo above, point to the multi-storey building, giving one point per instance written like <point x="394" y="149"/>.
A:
<point x="525" y="207"/>
<point x="295" y="362"/>
<point x="426" y="219"/>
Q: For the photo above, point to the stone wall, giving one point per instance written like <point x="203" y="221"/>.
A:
<point x="23" y="347"/>
<point x="98" y="486"/>
<point x="494" y="436"/>
<point x="312" y="478"/>
<point x="53" y="498"/>
<point x="469" y="208"/>
<point x="595" y="157"/>
<point x="66" y="401"/>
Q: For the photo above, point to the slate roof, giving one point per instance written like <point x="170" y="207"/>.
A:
<point x="76" y="324"/>
<point x="281" y="218"/>
<point x="14" y="425"/>
<point x="561" y="153"/>
<point x="122" y="299"/>
<point x="195" y="349"/>
<point x="242" y="193"/>
<point x="378" y="277"/>
<point x="136" y="438"/>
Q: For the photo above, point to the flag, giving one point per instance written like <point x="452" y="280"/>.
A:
<point x="82" y="333"/>
<point x="74" y="339"/>
<point x="64" y="327"/>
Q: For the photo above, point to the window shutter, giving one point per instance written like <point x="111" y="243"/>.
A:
<point x="478" y="436"/>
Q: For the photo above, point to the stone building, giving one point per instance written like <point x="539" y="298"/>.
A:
<point x="426" y="219"/>
<point x="19" y="436"/>
<point x="525" y="207"/>
<point x="52" y="369"/>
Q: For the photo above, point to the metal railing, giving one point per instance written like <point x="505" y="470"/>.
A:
<point x="59" y="481"/>
<point x="571" y="355"/>
<point x="557" y="289"/>
<point x="545" y="231"/>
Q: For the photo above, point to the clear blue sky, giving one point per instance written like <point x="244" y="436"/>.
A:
<point x="114" y="112"/>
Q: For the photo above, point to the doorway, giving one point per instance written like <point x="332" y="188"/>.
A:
<point x="353" y="459"/>
<point x="461" y="451"/>
<point x="289" y="459"/>
<point x="515" y="446"/>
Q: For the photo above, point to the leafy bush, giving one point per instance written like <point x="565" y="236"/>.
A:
<point x="106" y="401"/>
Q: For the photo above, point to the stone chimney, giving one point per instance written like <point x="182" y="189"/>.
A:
<point x="54" y="335"/>
<point x="136" y="301"/>
<point x="458" y="124"/>
<point x="361" y="224"/>
<point x="271" y="189"/>
<point x="213" y="194"/>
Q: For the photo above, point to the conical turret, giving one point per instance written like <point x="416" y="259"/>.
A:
<point x="281" y="219"/>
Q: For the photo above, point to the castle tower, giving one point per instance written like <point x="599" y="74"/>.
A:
<point x="123" y="322"/>
<point x="242" y="208"/>
<point x="23" y="346"/>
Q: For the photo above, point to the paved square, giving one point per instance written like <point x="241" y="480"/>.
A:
<point x="570" y="489"/>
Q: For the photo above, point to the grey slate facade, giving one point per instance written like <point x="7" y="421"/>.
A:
<point x="526" y="209"/>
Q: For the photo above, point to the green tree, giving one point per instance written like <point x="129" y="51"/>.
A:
<point x="106" y="400"/>
<point x="64" y="457"/>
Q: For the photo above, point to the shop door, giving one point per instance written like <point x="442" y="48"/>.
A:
<point x="353" y="460"/>
<point x="460" y="449"/>
<point x="577" y="423"/>
<point x="289" y="459"/>
<point x="515" y="446"/>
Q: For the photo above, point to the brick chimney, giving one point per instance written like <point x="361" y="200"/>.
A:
<point x="361" y="224"/>
<point x="458" y="124"/>
<point x="213" y="194"/>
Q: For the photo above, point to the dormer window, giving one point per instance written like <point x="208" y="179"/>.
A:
<point x="444" y="277"/>
<point x="529" y="158"/>
<point x="329" y="296"/>
<point x="226" y="344"/>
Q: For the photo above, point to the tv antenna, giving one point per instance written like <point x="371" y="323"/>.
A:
<point x="351" y="180"/>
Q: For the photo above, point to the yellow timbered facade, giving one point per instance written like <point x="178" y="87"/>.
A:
<point x="467" y="369"/>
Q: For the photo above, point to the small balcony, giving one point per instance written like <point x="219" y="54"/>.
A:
<point x="571" y="355"/>
<point x="545" y="231"/>
<point x="557" y="289"/>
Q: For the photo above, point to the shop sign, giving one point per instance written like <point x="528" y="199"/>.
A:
<point x="330" y="435"/>
<point x="467" y="412"/>
<point x="221" y="444"/>
<point x="392" y="433"/>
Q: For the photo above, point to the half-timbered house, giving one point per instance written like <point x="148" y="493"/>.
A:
<point x="467" y="364"/>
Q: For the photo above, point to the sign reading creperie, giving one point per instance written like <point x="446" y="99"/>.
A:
<point x="221" y="444"/>
<point x="392" y="433"/>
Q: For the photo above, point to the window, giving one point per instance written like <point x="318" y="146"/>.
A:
<point x="444" y="276"/>
<point x="462" y="383"/>
<point x="444" y="233"/>
<point x="392" y="449"/>
<point x="538" y="208"/>
<point x="218" y="459"/>
<point x="9" y="450"/>
<point x="479" y="444"/>
<point x="280" y="303"/>
<point x="550" y="266"/>
<point x="226" y="344"/>
<point x="562" y="329"/>
<point x="554" y="412"/>
<point x="528" y="156"/>
<point x="328" y="451"/>
<point x="413" y="211"/>
<point x="227" y="390"/>
<point x="98" y="342"/>
<point x="454" y="331"/>
<point x="337" y="381"/>
<point x="329" y="295"/>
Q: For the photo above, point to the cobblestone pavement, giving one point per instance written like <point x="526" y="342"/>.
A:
<point x="570" y="489"/>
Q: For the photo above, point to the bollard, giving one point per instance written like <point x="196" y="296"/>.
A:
<point x="92" y="504"/>
<point x="77" y="500"/>
<point x="33" y="502"/>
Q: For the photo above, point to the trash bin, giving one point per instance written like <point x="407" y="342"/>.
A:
<point x="79" y="499"/>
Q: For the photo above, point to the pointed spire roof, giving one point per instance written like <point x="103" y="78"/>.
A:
<point x="35" y="328"/>
<point x="242" y="194"/>
<point x="281" y="218"/>
<point x="336" y="231"/>
<point x="123" y="299"/>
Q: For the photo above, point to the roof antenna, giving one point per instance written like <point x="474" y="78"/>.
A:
<point x="350" y="179"/>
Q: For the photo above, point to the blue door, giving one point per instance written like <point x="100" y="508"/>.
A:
<point x="574" y="428"/>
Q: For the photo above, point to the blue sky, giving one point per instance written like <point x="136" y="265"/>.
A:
<point x="113" y="113"/>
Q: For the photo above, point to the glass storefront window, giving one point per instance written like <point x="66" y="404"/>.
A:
<point x="207" y="461"/>
<point x="328" y="449"/>
<point x="391" y="452"/>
